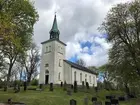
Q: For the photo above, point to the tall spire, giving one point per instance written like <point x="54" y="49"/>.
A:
<point x="54" y="32"/>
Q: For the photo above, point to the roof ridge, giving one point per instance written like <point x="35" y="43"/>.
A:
<point x="80" y="67"/>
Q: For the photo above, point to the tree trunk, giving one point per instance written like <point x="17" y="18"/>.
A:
<point x="127" y="89"/>
<point x="8" y="76"/>
<point x="29" y="78"/>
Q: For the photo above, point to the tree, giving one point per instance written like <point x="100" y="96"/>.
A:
<point x="122" y="25"/>
<point x="31" y="62"/>
<point x="107" y="75"/>
<point x="81" y="62"/>
<point x="122" y="71"/>
<point x="17" y="71"/>
<point x="17" y="20"/>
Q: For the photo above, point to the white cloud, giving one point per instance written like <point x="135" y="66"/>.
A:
<point x="85" y="49"/>
<point x="72" y="49"/>
<point x="77" y="22"/>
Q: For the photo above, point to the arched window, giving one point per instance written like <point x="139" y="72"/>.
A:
<point x="75" y="76"/>
<point x="59" y="76"/>
<point x="93" y="80"/>
<point x="81" y="77"/>
<point x="60" y="62"/>
<point x="90" y="79"/>
<point x="47" y="71"/>
<point x="46" y="65"/>
<point x="49" y="48"/>
<point x="46" y="49"/>
<point x="85" y="78"/>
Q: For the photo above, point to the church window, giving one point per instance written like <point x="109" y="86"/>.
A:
<point x="46" y="49"/>
<point x="47" y="71"/>
<point x="58" y="48"/>
<point x="90" y="79"/>
<point x="81" y="77"/>
<point x="85" y="78"/>
<point x="60" y="63"/>
<point x="46" y="65"/>
<point x="59" y="76"/>
<point x="75" y="76"/>
<point x="49" y="48"/>
<point x="93" y="80"/>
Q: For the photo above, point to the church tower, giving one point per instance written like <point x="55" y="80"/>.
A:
<point x="53" y="54"/>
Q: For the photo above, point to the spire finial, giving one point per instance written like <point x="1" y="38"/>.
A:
<point x="55" y="14"/>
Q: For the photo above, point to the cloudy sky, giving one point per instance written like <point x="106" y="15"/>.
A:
<point x="78" y="21"/>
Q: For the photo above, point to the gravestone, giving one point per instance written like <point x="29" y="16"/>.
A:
<point x="87" y="85"/>
<point x="121" y="98"/>
<point x="15" y="85"/>
<point x="83" y="85"/>
<point x="17" y="89"/>
<point x="86" y="101"/>
<point x="51" y="86"/>
<point x="114" y="101"/>
<point x="96" y="89"/>
<point x="10" y="101"/>
<point x="126" y="97"/>
<point x="110" y="97"/>
<point x="97" y="103"/>
<point x="75" y="87"/>
<point x="61" y="84"/>
<point x="132" y="96"/>
<point x="41" y="86"/>
<point x="73" y="102"/>
<point x="69" y="91"/>
<point x="65" y="86"/>
<point x="71" y="86"/>
<point x="25" y="86"/>
<point x="5" y="88"/>
<point x="94" y="99"/>
<point x="107" y="103"/>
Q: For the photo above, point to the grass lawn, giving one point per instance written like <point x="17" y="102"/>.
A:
<point x="57" y="97"/>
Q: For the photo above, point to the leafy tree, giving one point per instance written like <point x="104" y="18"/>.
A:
<point x="122" y="25"/>
<point x="17" y="20"/>
<point x="122" y="71"/>
<point x="81" y="62"/>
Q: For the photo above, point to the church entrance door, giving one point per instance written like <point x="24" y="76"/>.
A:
<point x="46" y="79"/>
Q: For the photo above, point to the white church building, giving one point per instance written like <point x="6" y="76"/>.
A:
<point x="54" y="68"/>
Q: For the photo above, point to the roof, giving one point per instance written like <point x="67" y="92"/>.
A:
<point x="82" y="68"/>
<point x="54" y="27"/>
<point x="53" y="40"/>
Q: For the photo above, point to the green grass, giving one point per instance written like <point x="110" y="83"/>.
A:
<point x="57" y="97"/>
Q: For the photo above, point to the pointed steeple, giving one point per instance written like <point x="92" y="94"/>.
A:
<point x="54" y="32"/>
